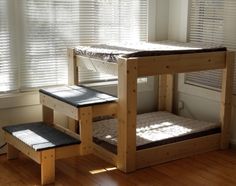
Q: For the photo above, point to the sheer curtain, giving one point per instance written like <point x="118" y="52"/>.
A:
<point x="50" y="26"/>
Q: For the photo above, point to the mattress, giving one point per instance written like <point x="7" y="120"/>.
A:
<point x="153" y="129"/>
<point x="111" y="51"/>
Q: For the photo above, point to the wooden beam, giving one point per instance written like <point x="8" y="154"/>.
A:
<point x="106" y="109"/>
<point x="166" y="89"/>
<point x="86" y="133"/>
<point x="127" y="112"/>
<point x="67" y="151"/>
<point x="170" y="64"/>
<point x="173" y="151"/>
<point x="73" y="75"/>
<point x="22" y="147"/>
<point x="226" y="100"/>
<point x="47" y="166"/>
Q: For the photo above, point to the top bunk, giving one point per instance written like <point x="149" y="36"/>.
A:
<point x="112" y="51"/>
<point x="166" y="57"/>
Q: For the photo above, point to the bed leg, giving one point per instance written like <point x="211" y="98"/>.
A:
<point x="226" y="99"/>
<point x="127" y="112"/>
<point x="73" y="77"/>
<point x="47" y="166"/>
<point x="85" y="115"/>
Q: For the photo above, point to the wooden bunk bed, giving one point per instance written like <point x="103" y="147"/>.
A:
<point x="163" y="64"/>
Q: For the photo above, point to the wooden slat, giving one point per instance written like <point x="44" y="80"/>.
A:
<point x="162" y="79"/>
<point x="104" y="154"/>
<point x="28" y="151"/>
<point x="165" y="89"/>
<point x="59" y="106"/>
<point x="67" y="151"/>
<point x="105" y="109"/>
<point x="47" y="166"/>
<point x="86" y="133"/>
<point x="160" y="154"/>
<point x="170" y="64"/>
<point x="226" y="100"/>
<point x="73" y="77"/>
<point x="127" y="105"/>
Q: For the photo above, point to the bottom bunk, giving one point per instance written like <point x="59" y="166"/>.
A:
<point x="160" y="137"/>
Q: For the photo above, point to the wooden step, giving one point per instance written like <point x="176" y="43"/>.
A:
<point x="43" y="144"/>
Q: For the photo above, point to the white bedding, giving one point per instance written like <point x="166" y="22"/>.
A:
<point x="155" y="126"/>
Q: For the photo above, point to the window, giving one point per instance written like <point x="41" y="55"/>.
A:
<point x="37" y="56"/>
<point x="8" y="68"/>
<point x="215" y="22"/>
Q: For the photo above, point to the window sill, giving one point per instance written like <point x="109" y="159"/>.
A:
<point x="19" y="100"/>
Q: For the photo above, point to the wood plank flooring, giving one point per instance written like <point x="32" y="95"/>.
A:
<point x="211" y="169"/>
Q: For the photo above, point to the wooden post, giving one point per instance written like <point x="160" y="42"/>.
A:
<point x="12" y="152"/>
<point x="73" y="79"/>
<point x="48" y="115"/>
<point x="165" y="92"/>
<point x="226" y="99"/>
<point x="73" y="76"/>
<point x="47" y="166"/>
<point x="86" y="133"/>
<point x="127" y="111"/>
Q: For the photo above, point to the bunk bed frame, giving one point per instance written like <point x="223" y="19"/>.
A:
<point x="129" y="69"/>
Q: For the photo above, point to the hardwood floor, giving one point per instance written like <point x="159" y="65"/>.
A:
<point x="210" y="169"/>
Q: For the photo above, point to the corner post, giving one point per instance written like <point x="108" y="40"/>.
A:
<point x="127" y="112"/>
<point x="73" y="79"/>
<point x="73" y="76"/>
<point x="226" y="99"/>
<point x="86" y="130"/>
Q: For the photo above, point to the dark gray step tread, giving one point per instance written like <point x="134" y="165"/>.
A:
<point x="79" y="96"/>
<point x="40" y="136"/>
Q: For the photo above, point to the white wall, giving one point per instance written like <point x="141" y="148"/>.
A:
<point x="198" y="103"/>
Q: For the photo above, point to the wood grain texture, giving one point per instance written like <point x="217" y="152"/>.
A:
<point x="213" y="168"/>
<point x="73" y="76"/>
<point x="127" y="113"/>
<point x="226" y="100"/>
<point x="169" y="64"/>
